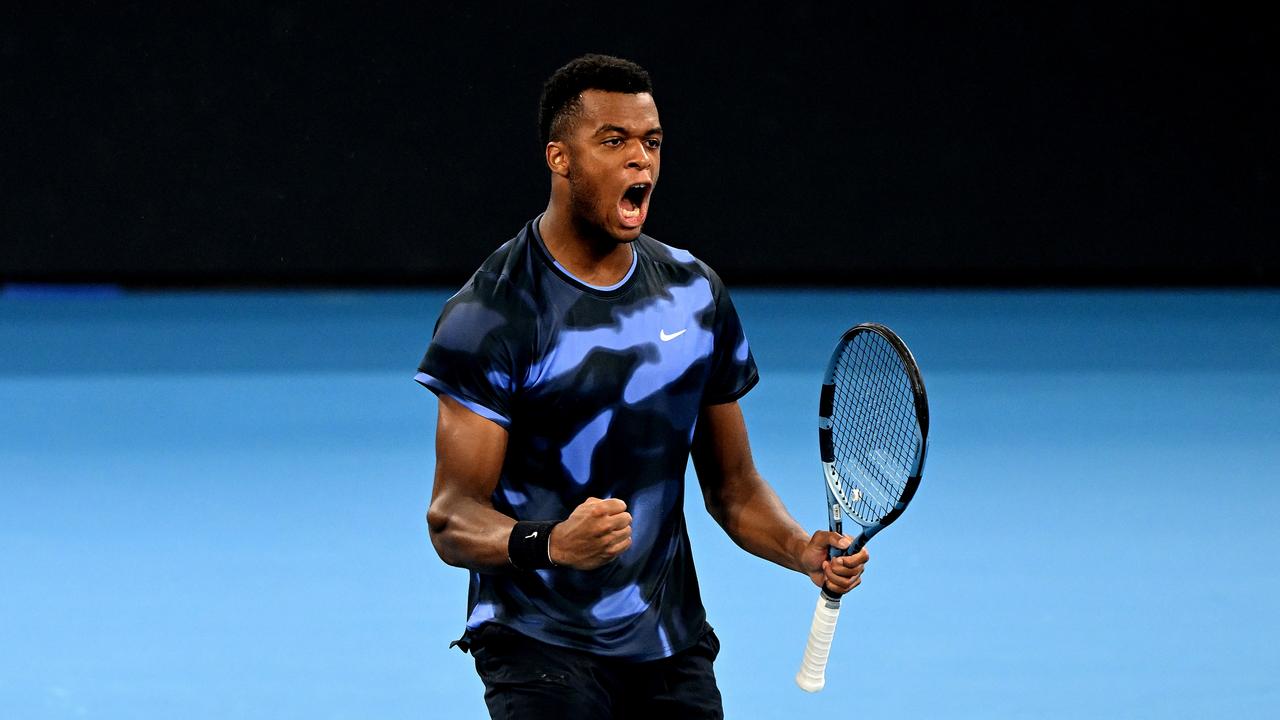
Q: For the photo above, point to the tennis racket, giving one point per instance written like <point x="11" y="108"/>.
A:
<point x="873" y="431"/>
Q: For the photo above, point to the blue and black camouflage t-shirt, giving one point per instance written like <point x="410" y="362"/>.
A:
<point x="599" y="389"/>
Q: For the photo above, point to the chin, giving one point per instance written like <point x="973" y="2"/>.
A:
<point x="626" y="235"/>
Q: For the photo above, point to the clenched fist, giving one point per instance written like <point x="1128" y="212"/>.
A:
<point x="594" y="534"/>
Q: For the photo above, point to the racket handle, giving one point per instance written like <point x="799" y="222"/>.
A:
<point x="813" y="667"/>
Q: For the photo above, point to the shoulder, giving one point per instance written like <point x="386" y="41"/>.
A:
<point x="496" y="300"/>
<point x="503" y="281"/>
<point x="678" y="262"/>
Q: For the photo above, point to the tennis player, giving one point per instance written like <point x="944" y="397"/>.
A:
<point x="577" y="370"/>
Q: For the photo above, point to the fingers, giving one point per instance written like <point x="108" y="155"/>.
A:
<point x="844" y="573"/>
<point x="612" y="506"/>
<point x="839" y="541"/>
<point x="834" y="539"/>
<point x="619" y="545"/>
<point x="825" y="538"/>
<point x="608" y="515"/>
<point x="614" y="544"/>
<point x="859" y="558"/>
<point x="595" y="533"/>
<point x="837" y="582"/>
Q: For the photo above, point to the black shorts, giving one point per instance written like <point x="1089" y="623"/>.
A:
<point x="524" y="678"/>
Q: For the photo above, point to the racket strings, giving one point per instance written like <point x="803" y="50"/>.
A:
<point x="876" y="436"/>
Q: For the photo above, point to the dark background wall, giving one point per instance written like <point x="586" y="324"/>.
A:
<point x="942" y="142"/>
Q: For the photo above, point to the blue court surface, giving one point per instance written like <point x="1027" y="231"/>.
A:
<point x="211" y="506"/>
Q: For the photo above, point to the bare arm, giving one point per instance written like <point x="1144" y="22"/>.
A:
<point x="752" y="513"/>
<point x="467" y="531"/>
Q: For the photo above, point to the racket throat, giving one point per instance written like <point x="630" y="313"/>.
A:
<point x="835" y="516"/>
<point x="836" y="523"/>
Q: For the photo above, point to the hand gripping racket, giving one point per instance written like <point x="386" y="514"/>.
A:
<point x="873" y="430"/>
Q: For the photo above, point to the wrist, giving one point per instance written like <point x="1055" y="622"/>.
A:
<point x="551" y="541"/>
<point x="796" y="548"/>
<point x="529" y="545"/>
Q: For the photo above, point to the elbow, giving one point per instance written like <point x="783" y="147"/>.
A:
<point x="727" y="501"/>
<point x="715" y="507"/>
<point x="438" y="528"/>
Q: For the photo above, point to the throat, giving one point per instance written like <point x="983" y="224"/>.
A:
<point x="599" y="272"/>
<point x="600" y="262"/>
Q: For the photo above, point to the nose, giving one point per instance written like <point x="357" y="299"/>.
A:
<point x="639" y="158"/>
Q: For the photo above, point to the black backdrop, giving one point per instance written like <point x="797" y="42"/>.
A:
<point x="867" y="143"/>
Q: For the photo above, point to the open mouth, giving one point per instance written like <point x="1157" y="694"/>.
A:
<point x="633" y="206"/>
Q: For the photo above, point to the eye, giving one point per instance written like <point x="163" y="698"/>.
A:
<point x="653" y="143"/>
<point x="613" y="142"/>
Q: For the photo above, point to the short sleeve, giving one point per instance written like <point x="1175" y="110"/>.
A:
<point x="733" y="369"/>
<point x="471" y="356"/>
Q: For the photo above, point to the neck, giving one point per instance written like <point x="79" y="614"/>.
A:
<point x="594" y="259"/>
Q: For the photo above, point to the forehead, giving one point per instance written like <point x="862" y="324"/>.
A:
<point x="635" y="112"/>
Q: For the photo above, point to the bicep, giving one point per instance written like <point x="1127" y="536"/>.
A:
<point x="469" y="454"/>
<point x="721" y="450"/>
<point x="465" y="528"/>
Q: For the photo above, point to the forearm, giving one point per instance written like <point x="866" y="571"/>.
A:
<point x="753" y="515"/>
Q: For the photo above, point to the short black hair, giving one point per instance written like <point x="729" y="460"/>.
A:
<point x="562" y="93"/>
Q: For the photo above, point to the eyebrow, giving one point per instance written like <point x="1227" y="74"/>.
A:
<point x="607" y="128"/>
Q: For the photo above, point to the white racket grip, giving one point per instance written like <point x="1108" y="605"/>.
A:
<point x="813" y="668"/>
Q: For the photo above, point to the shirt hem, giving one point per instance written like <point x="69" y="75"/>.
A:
<point x="440" y="387"/>
<point x="469" y="635"/>
<point x="735" y="395"/>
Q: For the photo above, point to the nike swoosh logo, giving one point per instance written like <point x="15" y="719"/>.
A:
<point x="531" y="536"/>
<point x="662" y="334"/>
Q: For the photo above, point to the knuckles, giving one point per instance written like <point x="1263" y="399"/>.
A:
<point x="598" y="530"/>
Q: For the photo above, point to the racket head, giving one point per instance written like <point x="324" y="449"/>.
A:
<point x="873" y="428"/>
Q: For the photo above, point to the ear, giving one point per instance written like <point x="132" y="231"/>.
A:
<point x="558" y="158"/>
